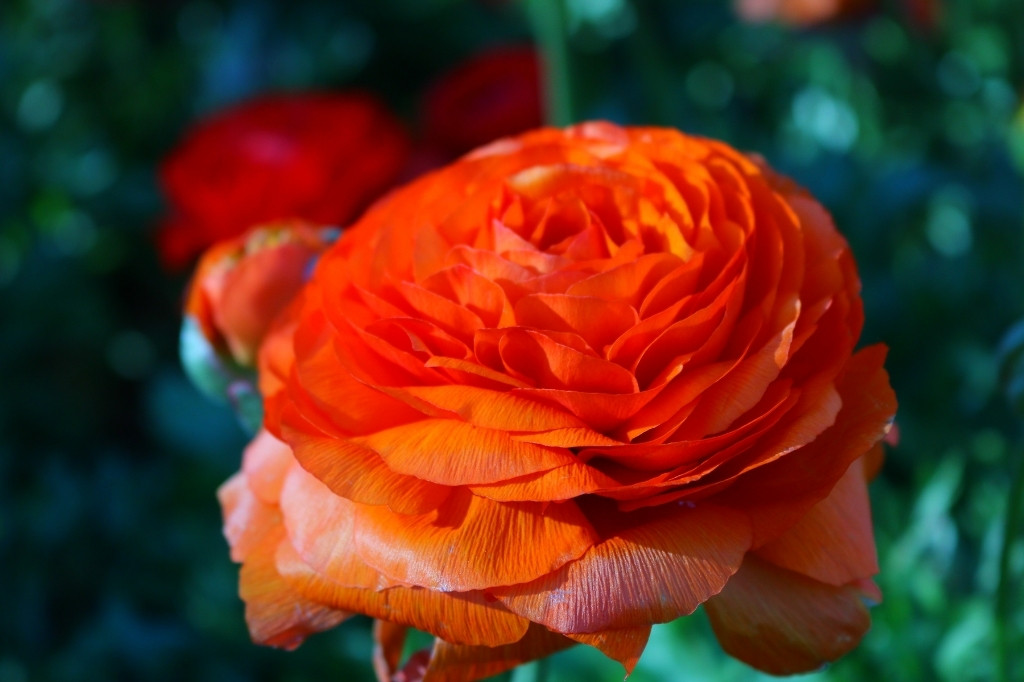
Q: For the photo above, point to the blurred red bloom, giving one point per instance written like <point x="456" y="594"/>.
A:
<point x="575" y="384"/>
<point x="494" y="94"/>
<point x="316" y="156"/>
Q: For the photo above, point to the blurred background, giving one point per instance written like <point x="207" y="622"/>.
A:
<point x="901" y="116"/>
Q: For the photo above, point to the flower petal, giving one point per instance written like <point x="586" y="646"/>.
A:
<point x="598" y="321"/>
<point x="247" y="518"/>
<point x="782" y="622"/>
<point x="657" y="570"/>
<point x="495" y="409"/>
<point x="467" y="618"/>
<point x="453" y="453"/>
<point x="833" y="543"/>
<point x="455" y="663"/>
<point x="457" y="547"/>
<point x="356" y="472"/>
<point x="624" y="646"/>
<point x="780" y="493"/>
<point x="277" y="616"/>
<point x="265" y="463"/>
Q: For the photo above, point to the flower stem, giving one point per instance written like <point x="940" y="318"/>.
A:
<point x="1004" y="596"/>
<point x="548" y="18"/>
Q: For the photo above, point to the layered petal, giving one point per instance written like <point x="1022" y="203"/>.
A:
<point x="657" y="570"/>
<point x="457" y="547"/>
<point x="784" y="622"/>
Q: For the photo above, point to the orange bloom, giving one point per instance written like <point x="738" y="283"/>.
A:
<point x="575" y="384"/>
<point x="239" y="287"/>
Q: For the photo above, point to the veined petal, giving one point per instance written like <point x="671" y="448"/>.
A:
<point x="456" y="548"/>
<point x="454" y="663"/>
<point x="265" y="463"/>
<point x="247" y="518"/>
<point x="466" y="618"/>
<point x="356" y="472"/>
<point x="495" y="409"/>
<point x="624" y="646"/>
<point x="662" y="568"/>
<point x="451" y="452"/>
<point x="277" y="616"/>
<point x="598" y="321"/>
<point x="778" y="494"/>
<point x="834" y="542"/>
<point x="553" y="365"/>
<point x="564" y="483"/>
<point x="783" y="622"/>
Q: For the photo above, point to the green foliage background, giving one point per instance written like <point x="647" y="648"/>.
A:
<point x="112" y="566"/>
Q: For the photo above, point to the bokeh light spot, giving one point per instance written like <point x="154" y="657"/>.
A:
<point x="958" y="75"/>
<point x="710" y="84"/>
<point x="828" y="120"/>
<point x="130" y="354"/>
<point x="40" y="105"/>
<point x="949" y="229"/>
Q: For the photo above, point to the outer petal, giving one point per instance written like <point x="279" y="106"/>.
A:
<point x="624" y="646"/>
<point x="265" y="462"/>
<point x="459" y="617"/>
<point x="246" y="517"/>
<point x="276" y="614"/>
<point x="353" y="471"/>
<point x="472" y="543"/>
<point x="834" y="542"/>
<point x="783" y="622"/>
<point x="654" y="572"/>
<point x="780" y="493"/>
<point x="454" y="663"/>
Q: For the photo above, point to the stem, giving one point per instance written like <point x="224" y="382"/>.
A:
<point x="1014" y="509"/>
<point x="548" y="18"/>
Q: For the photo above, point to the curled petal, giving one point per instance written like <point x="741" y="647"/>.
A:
<point x="624" y="646"/>
<point x="658" y="570"/>
<point x="453" y="453"/>
<point x="466" y="618"/>
<point x="783" y="622"/>
<point x="456" y="548"/>
<point x="455" y="663"/>
<point x="278" y="616"/>
<point x="833" y="543"/>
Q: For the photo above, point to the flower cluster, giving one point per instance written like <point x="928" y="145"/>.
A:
<point x="575" y="384"/>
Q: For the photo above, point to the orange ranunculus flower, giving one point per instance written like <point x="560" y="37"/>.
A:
<point x="239" y="287"/>
<point x="321" y="157"/>
<point x="577" y="383"/>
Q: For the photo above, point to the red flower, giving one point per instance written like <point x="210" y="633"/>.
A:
<point x="495" y="94"/>
<point x="320" y="157"/>
<point x="578" y="383"/>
